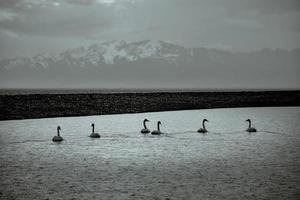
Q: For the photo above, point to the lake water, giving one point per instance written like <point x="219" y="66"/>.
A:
<point x="225" y="163"/>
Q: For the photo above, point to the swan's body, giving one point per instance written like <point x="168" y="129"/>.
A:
<point x="203" y="129"/>
<point x="57" y="138"/>
<point x="145" y="130"/>
<point x="157" y="132"/>
<point x="250" y="129"/>
<point x="93" y="134"/>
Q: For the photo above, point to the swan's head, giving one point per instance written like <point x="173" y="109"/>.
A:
<point x="248" y="120"/>
<point x="205" y="120"/>
<point x="159" y="122"/>
<point x="58" y="127"/>
<point x="146" y="120"/>
<point x="93" y="125"/>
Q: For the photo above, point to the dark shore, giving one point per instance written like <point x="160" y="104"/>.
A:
<point x="26" y="106"/>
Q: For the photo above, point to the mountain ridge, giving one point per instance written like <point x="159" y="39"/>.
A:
<point x="149" y="63"/>
<point x="109" y="51"/>
<point x="103" y="53"/>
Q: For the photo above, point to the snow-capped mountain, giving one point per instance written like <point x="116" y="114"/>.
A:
<point x="151" y="64"/>
<point x="107" y="53"/>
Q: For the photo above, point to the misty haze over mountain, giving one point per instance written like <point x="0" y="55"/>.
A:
<point x="153" y="64"/>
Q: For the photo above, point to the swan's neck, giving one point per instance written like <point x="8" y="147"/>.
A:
<point x="203" y="124"/>
<point x="58" y="132"/>
<point x="93" y="128"/>
<point x="249" y="124"/>
<point x="158" y="128"/>
<point x="145" y="124"/>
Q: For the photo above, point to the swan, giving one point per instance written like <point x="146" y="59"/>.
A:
<point x="93" y="134"/>
<point x="203" y="129"/>
<point x="57" y="138"/>
<point x="145" y="130"/>
<point x="157" y="132"/>
<point x="250" y="129"/>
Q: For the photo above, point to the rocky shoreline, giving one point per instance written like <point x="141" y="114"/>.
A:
<point x="61" y="105"/>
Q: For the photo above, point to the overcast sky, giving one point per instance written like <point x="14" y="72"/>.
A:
<point x="28" y="27"/>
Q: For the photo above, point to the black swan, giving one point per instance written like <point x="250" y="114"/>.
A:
<point x="93" y="134"/>
<point x="157" y="132"/>
<point x="203" y="129"/>
<point x="57" y="138"/>
<point x="250" y="129"/>
<point x="145" y="130"/>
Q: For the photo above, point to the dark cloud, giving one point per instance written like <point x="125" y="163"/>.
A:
<point x="8" y="3"/>
<point x="59" y="21"/>
<point x="81" y="2"/>
<point x="274" y="6"/>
